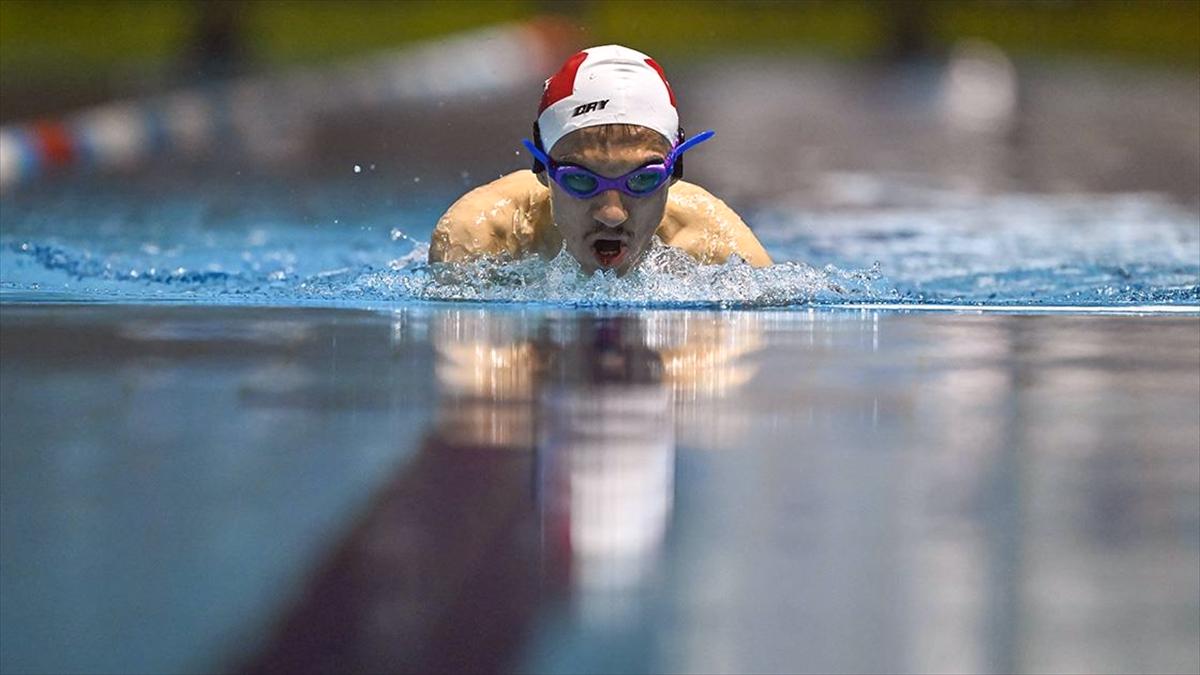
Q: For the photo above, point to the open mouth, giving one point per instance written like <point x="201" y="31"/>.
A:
<point x="609" y="252"/>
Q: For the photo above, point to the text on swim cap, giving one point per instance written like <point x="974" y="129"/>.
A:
<point x="589" y="107"/>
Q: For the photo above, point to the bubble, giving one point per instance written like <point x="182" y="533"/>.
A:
<point x="666" y="277"/>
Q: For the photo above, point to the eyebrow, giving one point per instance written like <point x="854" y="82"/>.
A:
<point x="574" y="160"/>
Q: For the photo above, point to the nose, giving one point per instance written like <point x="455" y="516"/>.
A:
<point x="608" y="209"/>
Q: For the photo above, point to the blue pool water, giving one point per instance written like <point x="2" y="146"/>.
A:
<point x="189" y="485"/>
<point x="361" y="244"/>
<point x="456" y="487"/>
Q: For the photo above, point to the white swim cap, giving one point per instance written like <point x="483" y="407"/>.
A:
<point x="607" y="85"/>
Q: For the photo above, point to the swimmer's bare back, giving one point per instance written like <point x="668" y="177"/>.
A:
<point x="512" y="217"/>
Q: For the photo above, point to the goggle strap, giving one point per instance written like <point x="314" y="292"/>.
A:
<point x="679" y="149"/>
<point x="537" y="152"/>
<point x="693" y="142"/>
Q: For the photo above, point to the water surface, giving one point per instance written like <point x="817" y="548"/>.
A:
<point x="544" y="490"/>
<point x="364" y="244"/>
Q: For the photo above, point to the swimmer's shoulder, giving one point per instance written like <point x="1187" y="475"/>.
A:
<point x="706" y="227"/>
<point x="506" y="216"/>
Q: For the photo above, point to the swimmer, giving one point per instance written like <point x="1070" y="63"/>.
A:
<point x="606" y="178"/>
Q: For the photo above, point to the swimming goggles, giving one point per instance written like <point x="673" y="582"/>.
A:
<point x="642" y="181"/>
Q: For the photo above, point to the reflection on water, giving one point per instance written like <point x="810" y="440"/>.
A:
<point x="606" y="460"/>
<point x="547" y="472"/>
<point x="492" y="366"/>
<point x="596" y="400"/>
<point x="459" y="489"/>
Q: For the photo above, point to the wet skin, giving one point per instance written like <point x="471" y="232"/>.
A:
<point x="609" y="230"/>
<point x="524" y="214"/>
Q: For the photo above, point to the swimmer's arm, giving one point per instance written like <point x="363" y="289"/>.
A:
<point x="704" y="226"/>
<point x="488" y="221"/>
<point x="463" y="233"/>
<point x="746" y="245"/>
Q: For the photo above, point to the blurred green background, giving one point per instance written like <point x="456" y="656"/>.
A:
<point x="93" y="35"/>
<point x="57" y="57"/>
<point x="53" y="36"/>
<point x="60" y="54"/>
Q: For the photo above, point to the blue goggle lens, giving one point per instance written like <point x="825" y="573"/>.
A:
<point x="579" y="183"/>
<point x="644" y="181"/>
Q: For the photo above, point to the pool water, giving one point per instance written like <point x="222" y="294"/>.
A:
<point x="355" y="245"/>
<point x="245" y="426"/>
<point x="472" y="487"/>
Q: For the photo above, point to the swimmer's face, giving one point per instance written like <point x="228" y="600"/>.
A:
<point x="610" y="230"/>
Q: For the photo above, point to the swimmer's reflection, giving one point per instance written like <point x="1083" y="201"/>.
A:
<point x="491" y="369"/>
<point x="606" y="460"/>
<point x="451" y="563"/>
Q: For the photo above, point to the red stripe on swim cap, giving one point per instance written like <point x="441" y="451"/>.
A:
<point x="562" y="83"/>
<point x="659" y="70"/>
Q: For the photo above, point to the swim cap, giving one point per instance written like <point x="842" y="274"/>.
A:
<point x="607" y="85"/>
